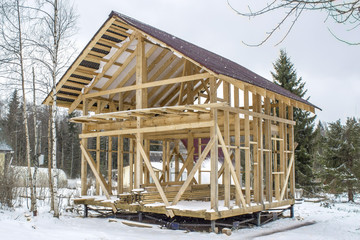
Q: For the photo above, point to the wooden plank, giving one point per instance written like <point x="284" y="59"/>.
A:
<point x="193" y="171"/>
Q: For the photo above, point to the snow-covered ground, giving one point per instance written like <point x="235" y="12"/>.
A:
<point x="335" y="221"/>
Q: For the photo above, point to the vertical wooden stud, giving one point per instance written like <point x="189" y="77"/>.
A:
<point x="237" y="143"/>
<point x="98" y="164"/>
<point x="214" y="196"/>
<point x="247" y="146"/>
<point x="110" y="163"/>
<point x="84" y="142"/>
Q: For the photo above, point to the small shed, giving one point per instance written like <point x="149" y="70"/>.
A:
<point x="138" y="87"/>
<point x="5" y="151"/>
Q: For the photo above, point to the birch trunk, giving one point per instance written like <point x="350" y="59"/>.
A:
<point x="35" y="155"/>
<point x="21" y="61"/>
<point x="54" y="109"/>
<point x="50" y="162"/>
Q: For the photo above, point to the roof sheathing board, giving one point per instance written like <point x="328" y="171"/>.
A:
<point x="209" y="60"/>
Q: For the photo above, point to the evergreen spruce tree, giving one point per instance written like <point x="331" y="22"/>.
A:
<point x="12" y="127"/>
<point x="341" y="158"/>
<point x="285" y="76"/>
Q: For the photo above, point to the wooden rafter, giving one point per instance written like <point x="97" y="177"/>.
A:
<point x="100" y="75"/>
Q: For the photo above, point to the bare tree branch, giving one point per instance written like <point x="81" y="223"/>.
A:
<point x="345" y="12"/>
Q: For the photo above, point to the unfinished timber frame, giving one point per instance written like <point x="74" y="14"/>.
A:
<point x="140" y="89"/>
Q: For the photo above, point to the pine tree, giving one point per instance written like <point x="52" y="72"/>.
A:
<point x="285" y="76"/>
<point x="342" y="158"/>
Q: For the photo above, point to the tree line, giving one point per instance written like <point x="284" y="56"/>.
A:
<point x="327" y="158"/>
<point x="12" y="132"/>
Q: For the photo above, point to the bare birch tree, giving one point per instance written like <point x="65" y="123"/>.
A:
<point x="346" y="12"/>
<point x="59" y="24"/>
<point x="13" y="45"/>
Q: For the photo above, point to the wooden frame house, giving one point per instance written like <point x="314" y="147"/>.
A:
<point x="138" y="87"/>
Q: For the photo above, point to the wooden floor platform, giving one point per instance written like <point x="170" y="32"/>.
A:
<point x="195" y="202"/>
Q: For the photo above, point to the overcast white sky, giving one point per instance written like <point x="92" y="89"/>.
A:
<point x="331" y="69"/>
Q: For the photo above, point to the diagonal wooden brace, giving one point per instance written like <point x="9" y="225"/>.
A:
<point x="193" y="171"/>
<point x="104" y="186"/>
<point x="287" y="176"/>
<point x="232" y="171"/>
<point x="156" y="180"/>
<point x="185" y="165"/>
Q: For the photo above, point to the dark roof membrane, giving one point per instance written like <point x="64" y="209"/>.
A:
<point x="210" y="60"/>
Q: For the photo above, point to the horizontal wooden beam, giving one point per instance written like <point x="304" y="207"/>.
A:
<point x="148" y="85"/>
<point x="148" y="129"/>
<point x="256" y="114"/>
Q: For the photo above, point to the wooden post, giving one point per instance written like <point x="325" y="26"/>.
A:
<point x="98" y="164"/>
<point x="163" y="175"/>
<point x="146" y="171"/>
<point x="190" y="146"/>
<point x="268" y="146"/>
<point x="292" y="149"/>
<point x="247" y="146"/>
<point x="260" y="166"/>
<point x="226" y="176"/>
<point x="110" y="162"/>
<point x="120" y="165"/>
<point x="237" y="142"/>
<point x="177" y="152"/>
<point x="214" y="196"/>
<point x="280" y="178"/>
<point x="168" y="159"/>
<point x="131" y="164"/>
<point x="256" y="148"/>
<point x="141" y="102"/>
<point x="84" y="142"/>
<point x="199" y="153"/>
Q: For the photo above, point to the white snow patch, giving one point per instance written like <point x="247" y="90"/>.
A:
<point x="340" y="221"/>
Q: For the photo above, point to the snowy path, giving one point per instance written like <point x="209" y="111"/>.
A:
<point x="341" y="221"/>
